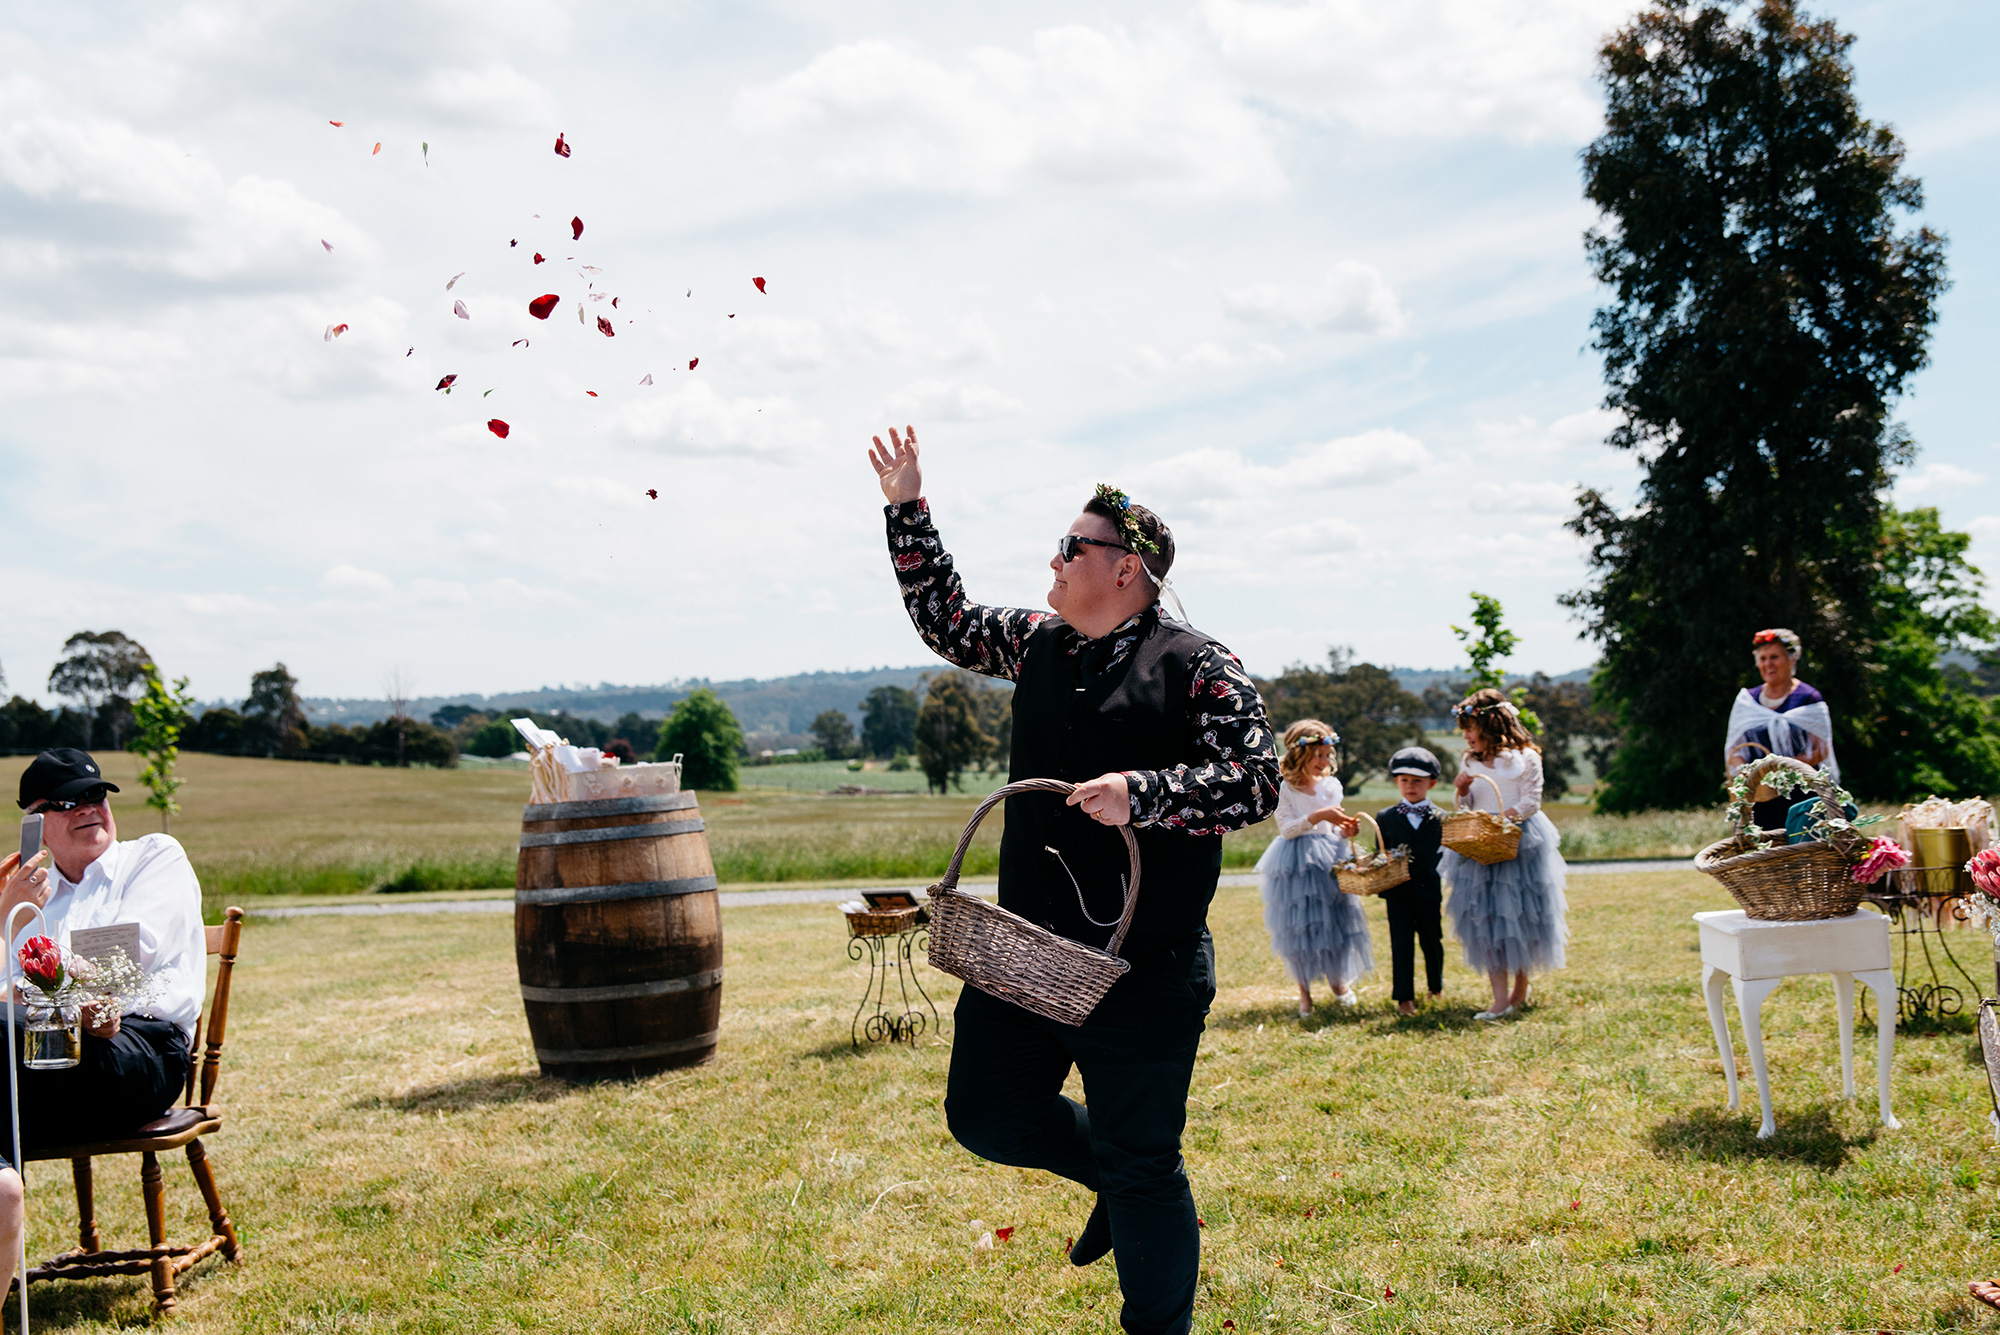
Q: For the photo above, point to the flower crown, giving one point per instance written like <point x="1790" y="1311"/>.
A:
<point x="1128" y="523"/>
<point x="1793" y="645"/>
<point x="1465" y="707"/>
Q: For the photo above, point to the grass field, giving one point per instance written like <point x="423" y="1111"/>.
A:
<point x="395" y="1165"/>
<point x="260" y="827"/>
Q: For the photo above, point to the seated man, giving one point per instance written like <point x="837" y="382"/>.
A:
<point x="135" y="1065"/>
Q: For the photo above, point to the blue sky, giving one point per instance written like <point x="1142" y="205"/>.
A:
<point x="1305" y="277"/>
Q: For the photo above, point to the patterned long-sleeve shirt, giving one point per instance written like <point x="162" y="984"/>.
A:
<point x="1232" y="779"/>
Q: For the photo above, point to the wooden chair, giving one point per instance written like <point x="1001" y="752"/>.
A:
<point x="183" y="1127"/>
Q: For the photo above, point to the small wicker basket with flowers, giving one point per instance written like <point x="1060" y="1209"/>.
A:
<point x="1385" y="869"/>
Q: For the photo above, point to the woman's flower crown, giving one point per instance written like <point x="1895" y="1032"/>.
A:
<point x="1128" y="523"/>
<point x="1793" y="645"/>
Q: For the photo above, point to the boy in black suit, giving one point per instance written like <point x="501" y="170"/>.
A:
<point x="1416" y="907"/>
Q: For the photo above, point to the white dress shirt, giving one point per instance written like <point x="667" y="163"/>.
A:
<point x="149" y="881"/>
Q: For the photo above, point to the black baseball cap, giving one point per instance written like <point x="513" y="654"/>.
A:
<point x="60" y="773"/>
<point x="1415" y="760"/>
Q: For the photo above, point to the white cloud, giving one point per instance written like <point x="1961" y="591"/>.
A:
<point x="495" y="95"/>
<point x="691" y="418"/>
<point x="1082" y="107"/>
<point x="1351" y="299"/>
<point x="1936" y="478"/>
<point x="1517" y="69"/>
<point x="950" y="400"/>
<point x="353" y="581"/>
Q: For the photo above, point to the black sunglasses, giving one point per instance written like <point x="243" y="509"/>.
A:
<point x="1072" y="543"/>
<point x="90" y="797"/>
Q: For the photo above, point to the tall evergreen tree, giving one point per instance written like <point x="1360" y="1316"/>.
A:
<point x="948" y="735"/>
<point x="703" y="731"/>
<point x="1767" y="312"/>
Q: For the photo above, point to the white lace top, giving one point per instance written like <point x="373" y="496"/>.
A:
<point x="1519" y="776"/>
<point x="1295" y="807"/>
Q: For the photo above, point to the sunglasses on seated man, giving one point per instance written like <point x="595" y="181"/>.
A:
<point x="1072" y="543"/>
<point x="89" y="797"/>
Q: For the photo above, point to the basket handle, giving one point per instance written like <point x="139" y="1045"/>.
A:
<point x="1499" y="803"/>
<point x="1845" y="841"/>
<point x="950" y="882"/>
<point x="1376" y="828"/>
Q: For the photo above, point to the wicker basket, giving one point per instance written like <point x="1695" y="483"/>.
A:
<point x="1787" y="882"/>
<point x="1005" y="955"/>
<point x="1483" y="836"/>
<point x="883" y="922"/>
<point x="1356" y="878"/>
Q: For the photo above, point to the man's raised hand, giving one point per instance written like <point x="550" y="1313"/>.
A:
<point x="1106" y="799"/>
<point x="896" y="466"/>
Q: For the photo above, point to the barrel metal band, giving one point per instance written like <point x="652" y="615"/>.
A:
<point x="637" y="1052"/>
<point x="610" y="806"/>
<point x="658" y="987"/>
<point x="592" y="894"/>
<point x="605" y="836"/>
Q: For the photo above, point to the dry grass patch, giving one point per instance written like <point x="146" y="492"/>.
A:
<point x="395" y="1164"/>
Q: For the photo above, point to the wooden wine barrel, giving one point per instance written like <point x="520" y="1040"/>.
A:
<point x="618" y="935"/>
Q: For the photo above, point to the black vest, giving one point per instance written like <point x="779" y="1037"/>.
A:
<point x="1075" y="721"/>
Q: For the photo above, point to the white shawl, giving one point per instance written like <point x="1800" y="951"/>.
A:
<point x="1749" y="713"/>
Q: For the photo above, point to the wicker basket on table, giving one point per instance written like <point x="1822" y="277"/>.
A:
<point x="1379" y="873"/>
<point x="882" y="922"/>
<point x="1788" y="882"/>
<point x="1005" y="955"/>
<point x="1483" y="836"/>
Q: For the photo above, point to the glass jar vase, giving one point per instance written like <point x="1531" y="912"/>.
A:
<point x="53" y="1037"/>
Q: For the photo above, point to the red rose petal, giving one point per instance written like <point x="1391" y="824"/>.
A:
<point x="647" y="379"/>
<point x="336" y="124"/>
<point x="539" y="259"/>
<point x="652" y="493"/>
<point x="562" y="149"/>
<point x="575" y="229"/>
<point x="519" y="343"/>
<point x="1227" y="1324"/>
<point x="1388" y="1292"/>
<point x="604" y="327"/>
<point x="448" y="381"/>
<point x="614" y="303"/>
<point x="498" y="428"/>
<point x="542" y="305"/>
<point x="378" y="149"/>
<point x="458" y="309"/>
<point x="1004" y="1233"/>
<point x="760" y="284"/>
<point x="692" y="361"/>
<point x="591" y="392"/>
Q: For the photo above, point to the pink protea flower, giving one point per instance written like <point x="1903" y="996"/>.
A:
<point x="1883" y="856"/>
<point x="1985" y="869"/>
<point x="42" y="963"/>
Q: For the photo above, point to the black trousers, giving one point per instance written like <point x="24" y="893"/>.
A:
<point x="1416" y="915"/>
<point x="1136" y="1052"/>
<point x="122" y="1082"/>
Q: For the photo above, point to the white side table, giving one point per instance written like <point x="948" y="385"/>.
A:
<point x="1758" y="955"/>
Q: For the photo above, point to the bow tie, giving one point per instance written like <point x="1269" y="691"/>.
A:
<point x="1423" y="808"/>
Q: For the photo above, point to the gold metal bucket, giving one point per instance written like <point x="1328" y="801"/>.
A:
<point x="1943" y="853"/>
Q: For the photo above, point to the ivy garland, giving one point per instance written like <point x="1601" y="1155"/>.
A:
<point x="1128" y="526"/>
<point x="1789" y="783"/>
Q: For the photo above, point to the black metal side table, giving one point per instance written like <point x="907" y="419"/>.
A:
<point x="1917" y="900"/>
<point x="889" y="943"/>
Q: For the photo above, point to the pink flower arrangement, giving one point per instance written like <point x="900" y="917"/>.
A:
<point x="1985" y="869"/>
<point x="1883" y="856"/>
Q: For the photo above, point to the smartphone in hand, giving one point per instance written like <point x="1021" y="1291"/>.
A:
<point x="31" y="837"/>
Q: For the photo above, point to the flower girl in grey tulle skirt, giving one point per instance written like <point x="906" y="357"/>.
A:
<point x="1315" y="929"/>
<point x="1511" y="917"/>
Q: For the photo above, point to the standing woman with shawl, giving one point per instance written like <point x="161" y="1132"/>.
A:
<point x="1780" y="716"/>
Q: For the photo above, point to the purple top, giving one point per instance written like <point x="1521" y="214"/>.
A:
<point x="1801" y="695"/>
<point x="1795" y="743"/>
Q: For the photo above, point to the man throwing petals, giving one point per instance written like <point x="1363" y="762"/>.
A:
<point x="1159" y="728"/>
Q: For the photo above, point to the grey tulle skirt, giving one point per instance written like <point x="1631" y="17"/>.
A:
<point x="1512" y="915"/>
<point x="1315" y="929"/>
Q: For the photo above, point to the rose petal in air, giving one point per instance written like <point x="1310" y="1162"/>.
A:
<point x="458" y="309"/>
<point x="446" y="383"/>
<point x="579" y="316"/>
<point x="539" y="259"/>
<point x="336" y="124"/>
<point x="614" y="303"/>
<point x="334" y="331"/>
<point x="454" y="280"/>
<point x="648" y="379"/>
<point x="378" y="149"/>
<point x="653" y="493"/>
<point x="693" y="362"/>
<point x="562" y="149"/>
<point x="591" y="392"/>
<point x="520" y="343"/>
<point x="498" y="428"/>
<point x="542" y="305"/>
<point x="604" y="327"/>
<point x="327" y="244"/>
<point x="760" y="284"/>
<point x="575" y="229"/>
